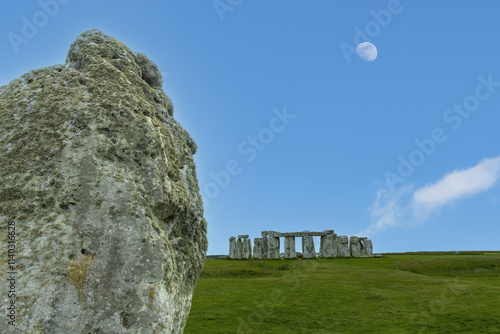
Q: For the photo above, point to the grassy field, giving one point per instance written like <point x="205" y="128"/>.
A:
<point x="399" y="293"/>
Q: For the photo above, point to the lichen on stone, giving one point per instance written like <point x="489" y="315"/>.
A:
<point x="101" y="182"/>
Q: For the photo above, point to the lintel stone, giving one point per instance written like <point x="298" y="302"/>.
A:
<point x="297" y="234"/>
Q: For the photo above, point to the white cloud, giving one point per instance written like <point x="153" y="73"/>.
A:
<point x="405" y="207"/>
<point x="456" y="185"/>
<point x="388" y="209"/>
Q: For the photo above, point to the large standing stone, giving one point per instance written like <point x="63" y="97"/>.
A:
<point x="247" y="247"/>
<point x="257" y="248"/>
<point x="321" y="246"/>
<point x="335" y="248"/>
<point x="342" y="243"/>
<point x="265" y="245"/>
<point x="232" y="248"/>
<point x="366" y="247"/>
<point x="327" y="246"/>
<point x="290" y="252"/>
<point x="355" y="247"/>
<point x="274" y="248"/>
<point x="369" y="248"/>
<point x="239" y="249"/>
<point x="308" y="250"/>
<point x="100" y="182"/>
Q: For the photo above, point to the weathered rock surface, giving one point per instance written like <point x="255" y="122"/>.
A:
<point x="366" y="247"/>
<point x="247" y="248"/>
<point x="239" y="249"/>
<point x="273" y="250"/>
<point x="265" y="245"/>
<point x="258" y="252"/>
<point x="355" y="247"/>
<point x="100" y="181"/>
<point x="369" y="247"/>
<point x="290" y="252"/>
<point x="327" y="249"/>
<point x="308" y="250"/>
<point x="232" y="248"/>
<point x="342" y="245"/>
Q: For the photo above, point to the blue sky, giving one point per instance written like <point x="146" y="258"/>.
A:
<point x="294" y="130"/>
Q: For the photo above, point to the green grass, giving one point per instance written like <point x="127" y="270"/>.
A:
<point x="461" y="266"/>
<point x="410" y="293"/>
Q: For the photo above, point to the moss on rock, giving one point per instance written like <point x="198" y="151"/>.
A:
<point x="100" y="180"/>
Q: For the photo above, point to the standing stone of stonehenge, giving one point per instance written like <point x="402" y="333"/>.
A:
<point x="308" y="250"/>
<point x="335" y="250"/>
<point x="269" y="245"/>
<point x="290" y="252"/>
<point x="322" y="246"/>
<point x="273" y="248"/>
<point x="366" y="247"/>
<point x="369" y="248"/>
<point x="257" y="248"/>
<point x="355" y="247"/>
<point x="327" y="249"/>
<point x="239" y="249"/>
<point x="247" y="247"/>
<point x="265" y="244"/>
<point x="342" y="246"/>
<point x="232" y="248"/>
<point x="325" y="246"/>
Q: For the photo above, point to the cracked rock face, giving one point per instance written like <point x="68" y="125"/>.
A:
<point x="100" y="182"/>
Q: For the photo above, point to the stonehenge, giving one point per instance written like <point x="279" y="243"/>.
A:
<point x="273" y="251"/>
<point x="327" y="246"/>
<point x="368" y="247"/>
<point x="268" y="246"/>
<point x="308" y="250"/>
<point x="290" y="252"/>
<point x="342" y="246"/>
<point x="232" y="248"/>
<point x="247" y="247"/>
<point x="354" y="246"/>
<point x="264" y="245"/>
<point x="360" y="247"/>
<point x="241" y="248"/>
<point x="258" y="251"/>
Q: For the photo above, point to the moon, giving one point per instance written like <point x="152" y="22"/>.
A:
<point x="367" y="51"/>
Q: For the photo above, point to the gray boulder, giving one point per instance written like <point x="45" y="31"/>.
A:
<point x="100" y="182"/>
